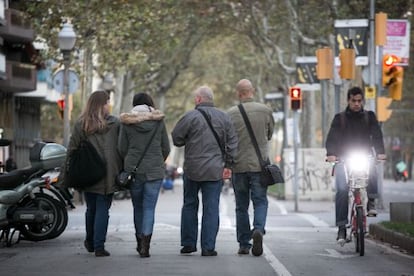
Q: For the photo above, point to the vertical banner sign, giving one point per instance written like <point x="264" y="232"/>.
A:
<point x="355" y="30"/>
<point x="306" y="77"/>
<point x="398" y="40"/>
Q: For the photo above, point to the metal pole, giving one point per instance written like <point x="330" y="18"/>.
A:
<point x="324" y="91"/>
<point x="371" y="53"/>
<point x="66" y="125"/>
<point x="295" y="166"/>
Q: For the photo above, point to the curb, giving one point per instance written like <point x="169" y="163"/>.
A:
<point x="383" y="234"/>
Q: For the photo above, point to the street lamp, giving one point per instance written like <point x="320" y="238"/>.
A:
<point x="66" y="39"/>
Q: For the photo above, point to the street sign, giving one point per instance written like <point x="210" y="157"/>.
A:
<point x="58" y="81"/>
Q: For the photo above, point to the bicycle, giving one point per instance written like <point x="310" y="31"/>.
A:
<point x="357" y="168"/>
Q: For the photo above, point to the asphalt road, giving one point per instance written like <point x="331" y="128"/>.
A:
<point x="296" y="243"/>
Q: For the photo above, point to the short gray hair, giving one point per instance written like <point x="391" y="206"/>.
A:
<point x="205" y="93"/>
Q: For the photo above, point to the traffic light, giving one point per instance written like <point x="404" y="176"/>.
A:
<point x="61" y="107"/>
<point x="347" y="69"/>
<point x="383" y="112"/>
<point x="324" y="66"/>
<point x="392" y="76"/>
<point x="295" y="98"/>
<point x="381" y="29"/>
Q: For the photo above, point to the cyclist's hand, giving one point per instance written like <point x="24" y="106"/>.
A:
<point x="381" y="157"/>
<point x="331" y="158"/>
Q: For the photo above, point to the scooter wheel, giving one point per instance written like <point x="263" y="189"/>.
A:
<point x="48" y="229"/>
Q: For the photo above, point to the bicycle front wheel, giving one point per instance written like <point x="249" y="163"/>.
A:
<point x="360" y="231"/>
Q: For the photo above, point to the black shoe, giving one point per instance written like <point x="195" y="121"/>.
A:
<point x="88" y="247"/>
<point x="101" y="253"/>
<point x="341" y="238"/>
<point x="243" y="251"/>
<point x="188" y="249"/>
<point x="257" y="248"/>
<point x="208" y="253"/>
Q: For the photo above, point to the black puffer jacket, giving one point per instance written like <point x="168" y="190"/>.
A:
<point x="355" y="130"/>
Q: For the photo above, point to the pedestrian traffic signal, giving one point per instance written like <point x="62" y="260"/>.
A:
<point x="392" y="76"/>
<point x="61" y="107"/>
<point x="347" y="69"/>
<point x="295" y="98"/>
<point x="383" y="111"/>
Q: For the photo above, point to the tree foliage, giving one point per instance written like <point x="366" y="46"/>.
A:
<point x="169" y="47"/>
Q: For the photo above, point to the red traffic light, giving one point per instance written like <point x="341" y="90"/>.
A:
<point x="295" y="93"/>
<point x="61" y="104"/>
<point x="295" y="98"/>
<point x="390" y="60"/>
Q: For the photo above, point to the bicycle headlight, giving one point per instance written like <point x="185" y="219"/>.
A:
<point x="358" y="162"/>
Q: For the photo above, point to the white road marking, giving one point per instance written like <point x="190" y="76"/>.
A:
<point x="279" y="205"/>
<point x="225" y="219"/>
<point x="335" y="254"/>
<point x="277" y="266"/>
<point x="313" y="220"/>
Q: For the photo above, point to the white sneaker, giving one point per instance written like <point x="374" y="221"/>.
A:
<point x="372" y="213"/>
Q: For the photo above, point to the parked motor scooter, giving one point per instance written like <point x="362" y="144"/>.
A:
<point x="25" y="206"/>
<point x="401" y="172"/>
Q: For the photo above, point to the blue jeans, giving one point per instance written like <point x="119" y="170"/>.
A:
<point x="342" y="197"/>
<point x="144" y="196"/>
<point x="247" y="186"/>
<point x="96" y="218"/>
<point x="210" y="191"/>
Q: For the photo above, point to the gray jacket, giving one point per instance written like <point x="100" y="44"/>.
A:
<point x="135" y="134"/>
<point x="261" y="119"/>
<point x="105" y="142"/>
<point x="203" y="157"/>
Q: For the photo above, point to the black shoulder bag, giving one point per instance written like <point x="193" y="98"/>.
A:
<point x="223" y="149"/>
<point x="124" y="179"/>
<point x="270" y="173"/>
<point x="85" y="167"/>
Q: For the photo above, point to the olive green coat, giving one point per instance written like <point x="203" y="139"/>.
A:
<point x="106" y="144"/>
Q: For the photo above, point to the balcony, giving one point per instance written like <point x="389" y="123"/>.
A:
<point x="20" y="77"/>
<point x="17" y="28"/>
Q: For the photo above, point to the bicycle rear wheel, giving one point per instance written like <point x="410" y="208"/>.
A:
<point x="360" y="232"/>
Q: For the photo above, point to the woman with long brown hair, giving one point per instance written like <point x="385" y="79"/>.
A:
<point x="101" y="129"/>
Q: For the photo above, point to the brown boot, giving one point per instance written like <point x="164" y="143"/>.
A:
<point x="145" y="246"/>
<point x="139" y="242"/>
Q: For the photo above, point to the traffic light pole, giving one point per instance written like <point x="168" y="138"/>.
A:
<point x="296" y="157"/>
<point x="66" y="125"/>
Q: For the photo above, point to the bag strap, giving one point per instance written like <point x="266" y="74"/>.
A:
<point x="251" y="134"/>
<point x="212" y="129"/>
<point x="146" y="148"/>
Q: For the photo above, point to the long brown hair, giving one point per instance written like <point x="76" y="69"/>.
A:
<point x="93" y="117"/>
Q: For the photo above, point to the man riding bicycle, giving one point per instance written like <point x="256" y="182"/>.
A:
<point x="353" y="129"/>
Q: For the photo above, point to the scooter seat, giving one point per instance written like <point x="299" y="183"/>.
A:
<point x="14" y="178"/>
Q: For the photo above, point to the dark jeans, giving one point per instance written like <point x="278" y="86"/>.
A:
<point x="342" y="197"/>
<point x="210" y="192"/>
<point x="96" y="218"/>
<point x="247" y="187"/>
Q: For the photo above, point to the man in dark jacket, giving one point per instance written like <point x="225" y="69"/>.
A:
<point x="353" y="129"/>
<point x="203" y="168"/>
